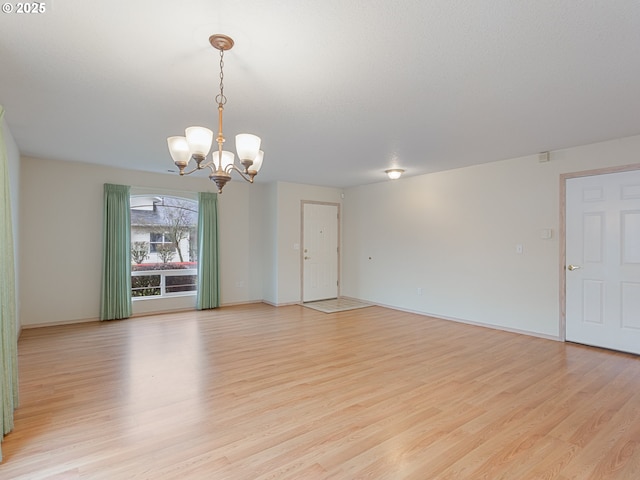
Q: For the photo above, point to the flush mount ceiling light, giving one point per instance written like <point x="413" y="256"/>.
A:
<point x="197" y="141"/>
<point x="394" y="173"/>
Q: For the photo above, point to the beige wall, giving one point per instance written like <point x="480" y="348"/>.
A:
<point x="454" y="234"/>
<point x="61" y="238"/>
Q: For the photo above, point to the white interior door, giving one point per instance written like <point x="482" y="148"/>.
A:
<point x="603" y="261"/>
<point x="319" y="252"/>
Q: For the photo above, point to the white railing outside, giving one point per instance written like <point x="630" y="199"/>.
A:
<point x="164" y="290"/>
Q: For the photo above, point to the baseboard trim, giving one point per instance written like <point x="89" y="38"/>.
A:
<point x="288" y="304"/>
<point x="136" y="315"/>
<point x="248" y="302"/>
<point x="58" y="324"/>
<point x="468" y="322"/>
<point x="391" y="307"/>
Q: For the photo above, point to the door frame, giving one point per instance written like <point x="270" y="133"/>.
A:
<point x="301" y="260"/>
<point x="563" y="232"/>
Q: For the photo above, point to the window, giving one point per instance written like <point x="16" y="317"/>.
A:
<point x="160" y="241"/>
<point x="163" y="246"/>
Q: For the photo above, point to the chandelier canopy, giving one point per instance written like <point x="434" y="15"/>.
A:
<point x="197" y="142"/>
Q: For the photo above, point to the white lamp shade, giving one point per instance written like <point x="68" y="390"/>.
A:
<point x="199" y="140"/>
<point x="257" y="163"/>
<point x="179" y="150"/>
<point x="247" y="146"/>
<point x="227" y="158"/>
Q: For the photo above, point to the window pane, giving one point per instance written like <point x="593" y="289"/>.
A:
<point x="145" y="285"/>
<point x="181" y="283"/>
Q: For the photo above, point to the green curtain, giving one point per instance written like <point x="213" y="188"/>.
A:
<point x="8" y="320"/>
<point x="208" y="280"/>
<point x="116" y="255"/>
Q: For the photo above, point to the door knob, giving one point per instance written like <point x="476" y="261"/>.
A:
<point x="307" y="258"/>
<point x="573" y="267"/>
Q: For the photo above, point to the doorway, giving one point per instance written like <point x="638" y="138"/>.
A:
<point x="601" y="259"/>
<point x="320" y="251"/>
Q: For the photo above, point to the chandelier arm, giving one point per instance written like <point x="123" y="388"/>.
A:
<point x="197" y="168"/>
<point x="247" y="176"/>
<point x="211" y="166"/>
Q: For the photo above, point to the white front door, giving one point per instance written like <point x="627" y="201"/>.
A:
<point x="603" y="261"/>
<point x="319" y="252"/>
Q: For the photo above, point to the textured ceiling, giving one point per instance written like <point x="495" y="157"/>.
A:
<point x="338" y="90"/>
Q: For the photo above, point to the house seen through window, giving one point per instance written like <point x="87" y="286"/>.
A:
<point x="163" y="246"/>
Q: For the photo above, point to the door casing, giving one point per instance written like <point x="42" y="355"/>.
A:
<point x="562" y="237"/>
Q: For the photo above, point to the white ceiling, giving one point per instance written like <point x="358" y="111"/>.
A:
<point x="339" y="90"/>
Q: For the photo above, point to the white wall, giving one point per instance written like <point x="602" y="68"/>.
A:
<point x="454" y="234"/>
<point x="270" y="240"/>
<point x="239" y="235"/>
<point x="61" y="239"/>
<point x="13" y="161"/>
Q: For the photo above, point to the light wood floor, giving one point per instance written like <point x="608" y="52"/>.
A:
<point x="257" y="392"/>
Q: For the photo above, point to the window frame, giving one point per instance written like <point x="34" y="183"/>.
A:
<point x="188" y="268"/>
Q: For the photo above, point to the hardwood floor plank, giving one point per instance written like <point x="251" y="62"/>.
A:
<point x="258" y="392"/>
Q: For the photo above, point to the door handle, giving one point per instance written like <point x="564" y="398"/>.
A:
<point x="571" y="268"/>
<point x="307" y="258"/>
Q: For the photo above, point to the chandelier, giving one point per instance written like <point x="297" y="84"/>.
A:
<point x="197" y="142"/>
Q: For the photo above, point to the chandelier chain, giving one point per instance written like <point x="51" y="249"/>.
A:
<point x="220" y="98"/>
